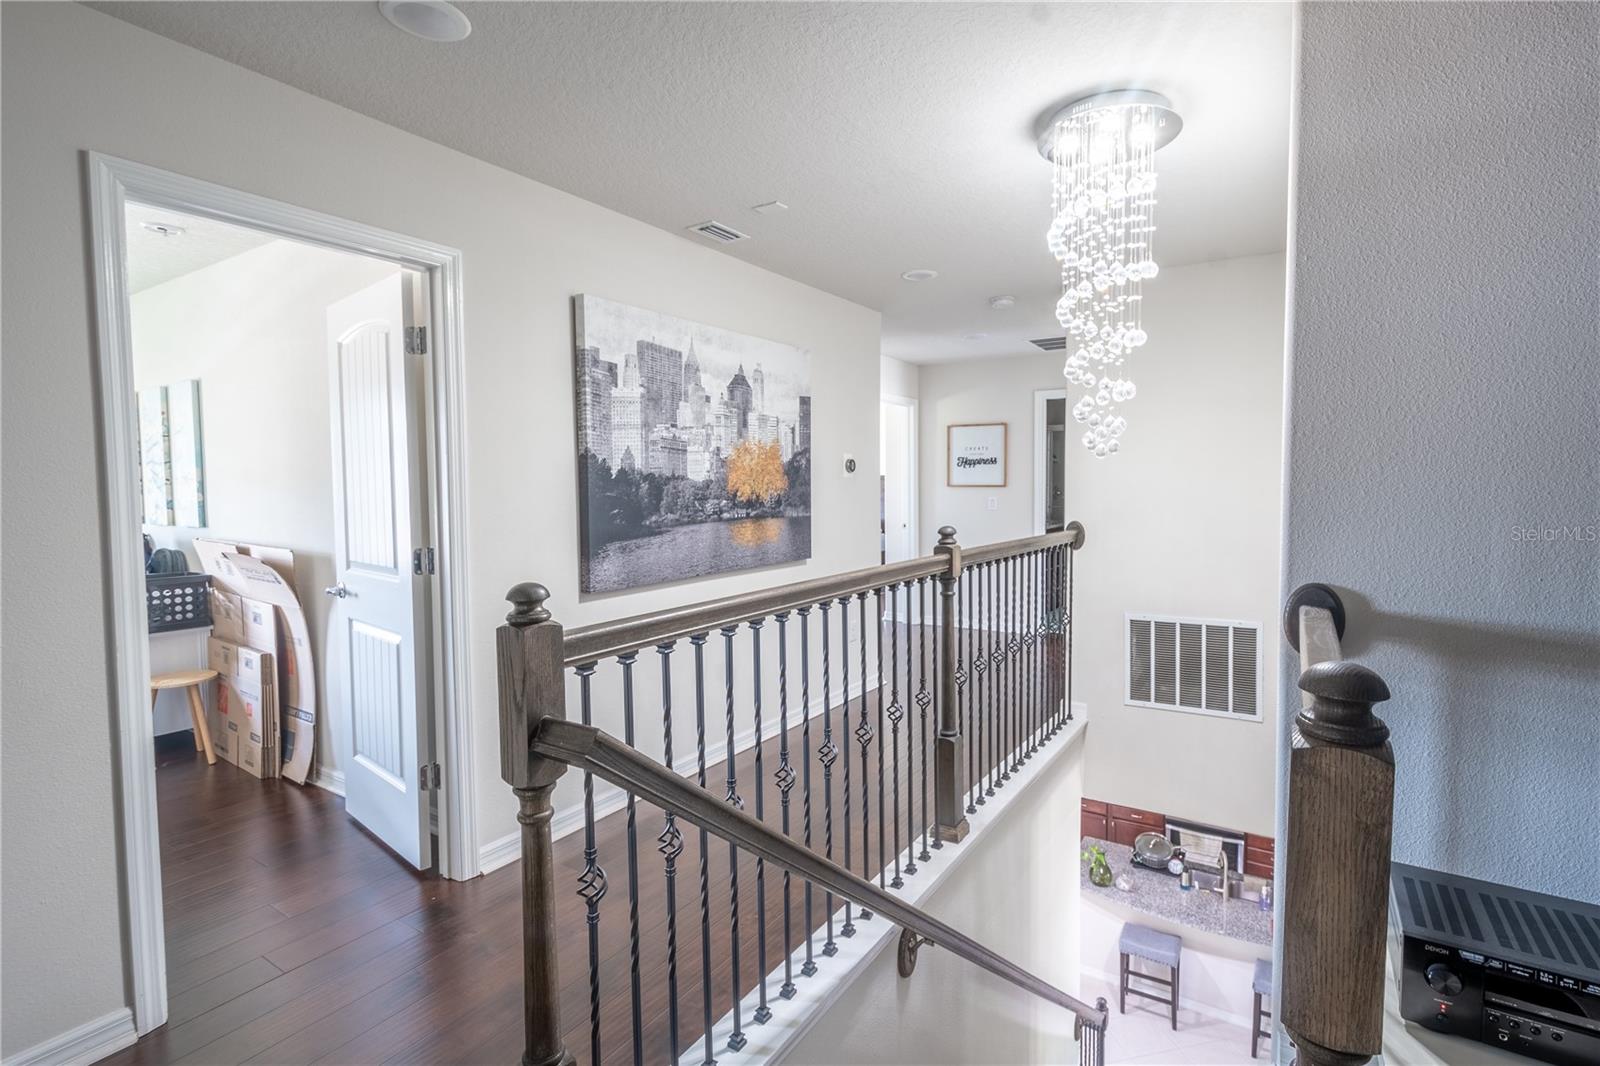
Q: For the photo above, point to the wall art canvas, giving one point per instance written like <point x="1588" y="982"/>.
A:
<point x="694" y="448"/>
<point x="188" y="454"/>
<point x="977" y="455"/>
<point x="155" y="456"/>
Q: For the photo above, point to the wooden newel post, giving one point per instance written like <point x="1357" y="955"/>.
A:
<point x="1336" y="891"/>
<point x="532" y="688"/>
<point x="950" y="819"/>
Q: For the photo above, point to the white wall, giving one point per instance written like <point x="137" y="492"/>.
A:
<point x="1016" y="893"/>
<point x="252" y="330"/>
<point x="75" y="79"/>
<point x="898" y="378"/>
<point x="1184" y="521"/>
<point x="1445" y="397"/>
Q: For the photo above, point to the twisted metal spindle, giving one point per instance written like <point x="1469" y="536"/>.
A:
<point x="974" y="691"/>
<point x="984" y="665"/>
<point x="1013" y="646"/>
<point x="763" y="1013"/>
<point x="785" y="779"/>
<point x="809" y="967"/>
<point x="736" y="1039"/>
<point x="923" y="699"/>
<point x="849" y="927"/>
<point x="896" y="712"/>
<point x="698" y="642"/>
<point x="930" y="840"/>
<point x="592" y="882"/>
<point x="826" y="754"/>
<point x="864" y="735"/>
<point x="670" y="844"/>
<point x="627" y="659"/>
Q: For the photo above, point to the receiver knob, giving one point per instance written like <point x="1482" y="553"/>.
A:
<point x="1441" y="980"/>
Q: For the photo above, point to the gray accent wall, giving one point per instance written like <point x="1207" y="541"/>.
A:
<point x="1444" y="442"/>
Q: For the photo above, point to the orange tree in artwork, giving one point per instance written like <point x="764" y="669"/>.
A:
<point x="755" y="473"/>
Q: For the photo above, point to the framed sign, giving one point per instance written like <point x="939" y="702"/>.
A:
<point x="976" y="455"/>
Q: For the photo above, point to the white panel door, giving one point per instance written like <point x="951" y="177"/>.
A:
<point x="376" y="666"/>
<point x="896" y="426"/>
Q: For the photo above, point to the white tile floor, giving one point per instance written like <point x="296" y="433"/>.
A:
<point x="1144" y="1036"/>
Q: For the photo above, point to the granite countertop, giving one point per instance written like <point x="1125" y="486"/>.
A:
<point x="1157" y="894"/>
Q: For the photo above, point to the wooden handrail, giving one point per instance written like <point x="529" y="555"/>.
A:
<point x="1336" y="864"/>
<point x="587" y="644"/>
<point x="592" y="749"/>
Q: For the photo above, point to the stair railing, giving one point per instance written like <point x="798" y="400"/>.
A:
<point x="1335" y="875"/>
<point x="986" y="659"/>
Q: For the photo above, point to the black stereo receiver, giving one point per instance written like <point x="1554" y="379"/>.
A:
<point x="1517" y="969"/>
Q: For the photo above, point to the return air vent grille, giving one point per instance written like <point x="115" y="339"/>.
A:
<point x="1202" y="665"/>
<point x="716" y="231"/>
<point x="1050" y="344"/>
<point x="1500" y="921"/>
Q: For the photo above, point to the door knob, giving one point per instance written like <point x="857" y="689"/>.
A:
<point x="337" y="590"/>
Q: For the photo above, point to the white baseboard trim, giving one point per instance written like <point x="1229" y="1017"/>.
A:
<point x="609" y="799"/>
<point x="1205" y="1010"/>
<point x="332" y="780"/>
<point x="89" y="1042"/>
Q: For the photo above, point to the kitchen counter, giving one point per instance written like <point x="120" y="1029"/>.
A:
<point x="1158" y="895"/>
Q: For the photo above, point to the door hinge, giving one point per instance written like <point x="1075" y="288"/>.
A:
<point x="430" y="776"/>
<point x="416" y="340"/>
<point x="422" y="561"/>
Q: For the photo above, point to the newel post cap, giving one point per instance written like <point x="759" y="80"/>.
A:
<point x="947" y="536"/>
<point x="1345" y="682"/>
<point x="1341" y="712"/>
<point x="527" y="604"/>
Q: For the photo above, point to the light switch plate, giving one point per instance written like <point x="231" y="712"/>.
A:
<point x="992" y="503"/>
<point x="849" y="465"/>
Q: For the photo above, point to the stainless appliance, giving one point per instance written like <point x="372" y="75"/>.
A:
<point x="1517" y="969"/>
<point x="1206" y="844"/>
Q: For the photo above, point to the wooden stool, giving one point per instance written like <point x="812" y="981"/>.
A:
<point x="190" y="680"/>
<point x="1261" y="986"/>
<point x="1163" y="949"/>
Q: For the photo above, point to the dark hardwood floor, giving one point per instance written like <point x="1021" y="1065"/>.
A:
<point x="295" y="937"/>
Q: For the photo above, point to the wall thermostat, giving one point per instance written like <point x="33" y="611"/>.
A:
<point x="849" y="466"/>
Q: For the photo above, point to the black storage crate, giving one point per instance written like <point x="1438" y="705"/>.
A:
<point x="177" y="601"/>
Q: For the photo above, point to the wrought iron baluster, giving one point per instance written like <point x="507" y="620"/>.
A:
<point x="967" y="682"/>
<point x="736" y="1039"/>
<point x="996" y="712"/>
<point x="1013" y="603"/>
<point x="785" y="779"/>
<point x="698" y="642"/>
<point x="627" y="659"/>
<point x="980" y="673"/>
<point x="1069" y="628"/>
<point x="849" y="927"/>
<point x="930" y="838"/>
<point x="864" y="734"/>
<point x="825" y="755"/>
<point x="896" y="712"/>
<point x="1032" y="643"/>
<point x="671" y="846"/>
<point x="763" y="1012"/>
<point x="592" y="882"/>
<point x="809" y="967"/>
<point x="986" y="719"/>
<point x="923" y="700"/>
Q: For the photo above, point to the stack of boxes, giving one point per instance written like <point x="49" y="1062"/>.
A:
<point x="243" y="650"/>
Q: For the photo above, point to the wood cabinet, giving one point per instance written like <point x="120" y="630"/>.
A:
<point x="1124" y="824"/>
<point x="1092" y="820"/>
<point x="1259" y="855"/>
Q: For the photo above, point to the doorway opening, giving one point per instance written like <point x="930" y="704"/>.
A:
<point x="282" y="397"/>
<point x="897" y="479"/>
<point x="1050" y="460"/>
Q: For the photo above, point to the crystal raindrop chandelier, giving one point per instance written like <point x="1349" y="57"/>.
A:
<point x="1103" y="233"/>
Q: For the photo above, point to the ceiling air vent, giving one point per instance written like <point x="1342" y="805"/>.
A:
<point x="1200" y="665"/>
<point x="1050" y="344"/>
<point x="716" y="231"/>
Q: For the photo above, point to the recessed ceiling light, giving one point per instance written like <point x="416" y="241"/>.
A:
<point x="1000" y="303"/>
<point x="163" y="229"/>
<point x="920" y="275"/>
<point x="975" y="337"/>
<point x="771" y="207"/>
<point x="432" y="20"/>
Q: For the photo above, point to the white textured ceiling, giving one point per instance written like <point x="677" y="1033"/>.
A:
<point x="153" y="258"/>
<point x="901" y="135"/>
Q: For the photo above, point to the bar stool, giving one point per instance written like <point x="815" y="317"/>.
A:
<point x="191" y="680"/>
<point x="1262" y="986"/>
<point x="1163" y="949"/>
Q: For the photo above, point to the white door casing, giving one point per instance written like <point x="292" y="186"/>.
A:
<point x="376" y="671"/>
<point x="897" y="427"/>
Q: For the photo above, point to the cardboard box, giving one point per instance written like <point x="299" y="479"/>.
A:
<point x="247" y="707"/>
<point x="256" y="579"/>
<point x="227" y="616"/>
